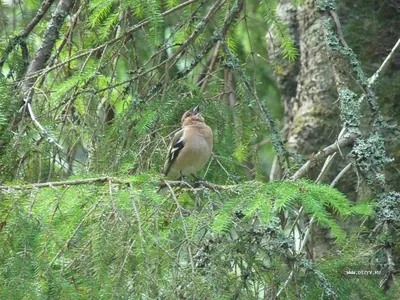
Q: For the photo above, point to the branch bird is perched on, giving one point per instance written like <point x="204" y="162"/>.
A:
<point x="190" y="147"/>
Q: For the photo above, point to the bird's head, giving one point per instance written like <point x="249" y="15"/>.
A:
<point x="192" y="116"/>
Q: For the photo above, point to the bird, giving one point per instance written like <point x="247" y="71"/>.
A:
<point x="190" y="148"/>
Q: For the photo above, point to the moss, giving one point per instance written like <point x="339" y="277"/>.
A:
<point x="319" y="111"/>
<point x="350" y="109"/>
<point x="334" y="44"/>
<point x="323" y="5"/>
<point x="388" y="207"/>
<point x="332" y="40"/>
<point x="370" y="157"/>
<point x="299" y="125"/>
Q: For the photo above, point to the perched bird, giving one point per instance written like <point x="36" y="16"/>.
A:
<point x="190" y="147"/>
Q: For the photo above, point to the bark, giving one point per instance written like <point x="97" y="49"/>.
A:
<point x="307" y="85"/>
<point x="309" y="91"/>
<point x="49" y="39"/>
<point x="20" y="39"/>
<point x="287" y="79"/>
<point x="40" y="14"/>
<point x="372" y="42"/>
<point x="309" y="98"/>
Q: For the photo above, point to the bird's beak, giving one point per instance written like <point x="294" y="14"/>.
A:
<point x="196" y="110"/>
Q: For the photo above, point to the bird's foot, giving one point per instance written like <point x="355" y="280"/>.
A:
<point x="197" y="180"/>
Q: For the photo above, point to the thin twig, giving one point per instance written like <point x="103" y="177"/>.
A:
<point x="276" y="137"/>
<point x="211" y="67"/>
<point x="339" y="30"/>
<point x="348" y="140"/>
<point x="373" y="78"/>
<point x="218" y="35"/>
<point x="172" y="183"/>
<point x="327" y="163"/>
<point x="340" y="175"/>
<point x="59" y="183"/>
<point x="183" y="224"/>
<point x="75" y="232"/>
<point x="68" y="35"/>
<point x="391" y="268"/>
<point x="123" y="35"/>
<point x="43" y="52"/>
<point x="31" y="25"/>
<point x="325" y="167"/>
<point x="198" y="30"/>
<point x="39" y="15"/>
<point x="41" y="128"/>
<point x="197" y="184"/>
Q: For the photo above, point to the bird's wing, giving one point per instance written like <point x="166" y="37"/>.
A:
<point x="175" y="147"/>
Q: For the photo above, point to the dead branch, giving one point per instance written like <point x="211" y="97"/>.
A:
<point x="343" y="142"/>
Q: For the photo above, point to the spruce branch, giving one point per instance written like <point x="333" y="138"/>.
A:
<point x="19" y="39"/>
<point x="110" y="42"/>
<point x="179" y="208"/>
<point x="170" y="61"/>
<point x="42" y="130"/>
<point x="59" y="183"/>
<point x="67" y="243"/>
<point x="210" y="68"/>
<point x="310" y="223"/>
<point x="165" y="183"/>
<point x="197" y="31"/>
<point x="68" y="37"/>
<point x="219" y="35"/>
<point x="41" y="57"/>
<point x="276" y="137"/>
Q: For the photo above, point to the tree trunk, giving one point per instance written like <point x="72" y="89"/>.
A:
<point x="309" y="95"/>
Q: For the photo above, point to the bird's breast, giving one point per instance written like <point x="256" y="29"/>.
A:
<point x="194" y="155"/>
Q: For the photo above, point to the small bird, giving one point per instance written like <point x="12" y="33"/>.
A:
<point x="190" y="147"/>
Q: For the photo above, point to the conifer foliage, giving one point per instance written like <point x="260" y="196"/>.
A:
<point x="91" y="93"/>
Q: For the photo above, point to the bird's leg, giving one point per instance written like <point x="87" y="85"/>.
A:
<point x="182" y="179"/>
<point x="197" y="179"/>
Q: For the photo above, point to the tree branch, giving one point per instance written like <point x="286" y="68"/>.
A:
<point x="276" y="137"/>
<point x="39" y="15"/>
<point x="372" y="80"/>
<point x="162" y="184"/>
<point x="123" y="35"/>
<point x="59" y="183"/>
<point x="43" y="53"/>
<point x="343" y="142"/>
<point x="217" y="36"/>
<point x="17" y="39"/>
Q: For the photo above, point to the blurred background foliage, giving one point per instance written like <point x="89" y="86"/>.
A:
<point x="107" y="103"/>
<point x="121" y="94"/>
